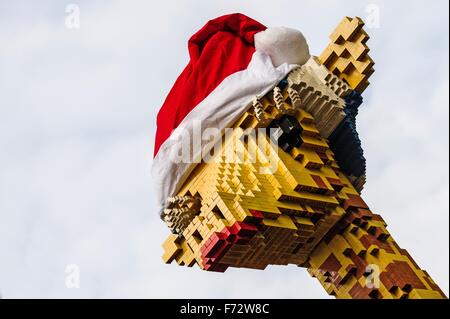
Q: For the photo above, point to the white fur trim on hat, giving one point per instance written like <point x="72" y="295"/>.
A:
<point x="283" y="45"/>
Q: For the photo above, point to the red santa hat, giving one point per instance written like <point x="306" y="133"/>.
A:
<point x="233" y="59"/>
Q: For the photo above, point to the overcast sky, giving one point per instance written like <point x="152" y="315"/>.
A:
<point x="77" y="123"/>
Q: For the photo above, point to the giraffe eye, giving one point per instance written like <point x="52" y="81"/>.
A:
<point x="285" y="132"/>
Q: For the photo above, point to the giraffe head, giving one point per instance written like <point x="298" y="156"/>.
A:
<point x="277" y="181"/>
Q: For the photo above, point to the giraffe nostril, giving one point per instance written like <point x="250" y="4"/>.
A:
<point x="285" y="132"/>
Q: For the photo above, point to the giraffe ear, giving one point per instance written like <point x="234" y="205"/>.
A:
<point x="283" y="45"/>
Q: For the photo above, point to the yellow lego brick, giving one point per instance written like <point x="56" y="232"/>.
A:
<point x="347" y="54"/>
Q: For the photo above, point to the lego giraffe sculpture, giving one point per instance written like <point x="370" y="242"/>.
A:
<point x="241" y="211"/>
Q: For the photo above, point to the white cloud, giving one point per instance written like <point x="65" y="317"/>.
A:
<point x="78" y="111"/>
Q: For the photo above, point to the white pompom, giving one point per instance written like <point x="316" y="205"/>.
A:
<point x="283" y="45"/>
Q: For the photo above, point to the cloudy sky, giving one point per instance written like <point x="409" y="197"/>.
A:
<point x="77" y="121"/>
